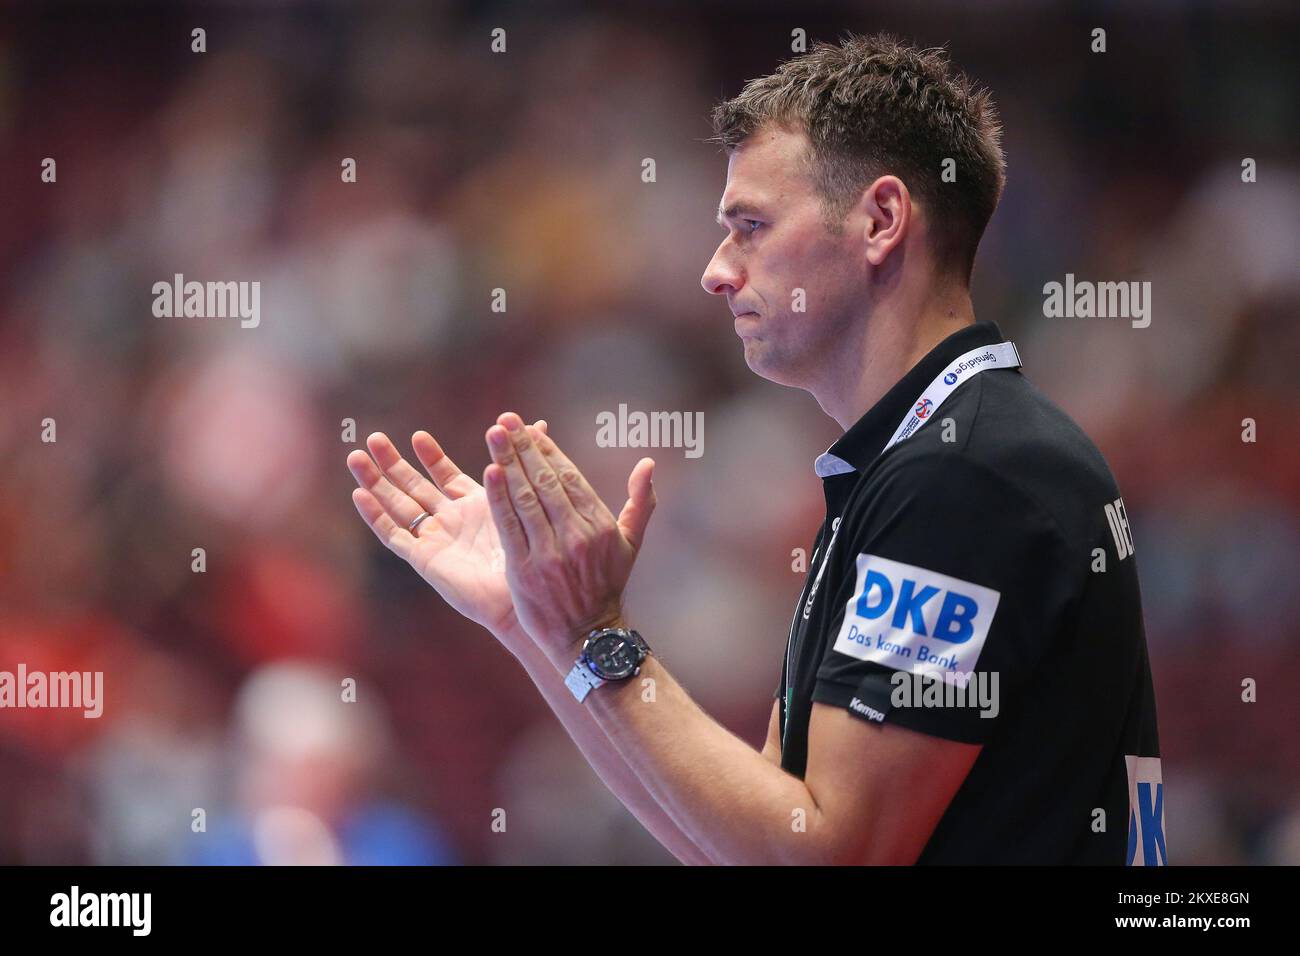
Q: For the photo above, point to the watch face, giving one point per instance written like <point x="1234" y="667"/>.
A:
<point x="613" y="656"/>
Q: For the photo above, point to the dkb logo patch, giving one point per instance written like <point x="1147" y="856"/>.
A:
<point x="1146" y="813"/>
<point x="917" y="620"/>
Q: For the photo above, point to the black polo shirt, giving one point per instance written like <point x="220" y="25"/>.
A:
<point x="980" y="586"/>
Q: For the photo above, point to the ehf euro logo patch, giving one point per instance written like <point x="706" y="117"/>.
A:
<point x="923" y="408"/>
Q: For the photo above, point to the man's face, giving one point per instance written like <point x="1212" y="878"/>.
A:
<point x="776" y="245"/>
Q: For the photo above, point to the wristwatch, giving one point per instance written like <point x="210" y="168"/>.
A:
<point x="608" y="654"/>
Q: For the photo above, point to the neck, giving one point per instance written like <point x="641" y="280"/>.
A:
<point x="888" y="344"/>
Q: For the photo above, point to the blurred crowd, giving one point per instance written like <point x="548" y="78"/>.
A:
<point x="224" y="738"/>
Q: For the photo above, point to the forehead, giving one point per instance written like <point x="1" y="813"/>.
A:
<point x="766" y="169"/>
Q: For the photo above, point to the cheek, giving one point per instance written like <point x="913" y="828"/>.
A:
<point x="782" y="269"/>
<point x="805" y="273"/>
<point x="827" y="275"/>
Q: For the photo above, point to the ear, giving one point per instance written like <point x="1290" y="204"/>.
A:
<point x="887" y="206"/>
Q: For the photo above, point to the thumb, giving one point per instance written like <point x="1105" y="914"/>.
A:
<point x="634" y="517"/>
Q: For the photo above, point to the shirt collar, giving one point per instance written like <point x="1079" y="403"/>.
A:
<point x="858" y="447"/>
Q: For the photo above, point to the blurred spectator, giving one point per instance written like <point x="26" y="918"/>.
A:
<point x="306" y="781"/>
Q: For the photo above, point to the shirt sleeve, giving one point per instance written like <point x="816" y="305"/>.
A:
<point x="948" y="603"/>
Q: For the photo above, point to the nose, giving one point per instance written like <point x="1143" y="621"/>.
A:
<point x="722" y="276"/>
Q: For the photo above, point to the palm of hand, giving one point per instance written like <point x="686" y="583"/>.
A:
<point x="455" y="548"/>
<point x="459" y="553"/>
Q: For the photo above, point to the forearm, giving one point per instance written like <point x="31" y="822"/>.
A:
<point x="730" y="801"/>
<point x="600" y="752"/>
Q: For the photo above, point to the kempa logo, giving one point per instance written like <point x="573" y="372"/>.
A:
<point x="57" y="689"/>
<point x="866" y="711"/>
<point x="1100" y="300"/>
<point x="975" y="689"/>
<point x="102" y="909"/>
<point x="209" y="300"/>
<point x="626" y="429"/>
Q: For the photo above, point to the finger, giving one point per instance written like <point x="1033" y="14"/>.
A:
<point x="575" y="484"/>
<point x="634" y="517"/>
<point x="400" y="506"/>
<point x="396" y="539"/>
<point x="559" y="509"/>
<point x="448" y="478"/>
<point x="527" y="505"/>
<point x="403" y="476"/>
<point x="514" y="538"/>
<point x="540" y="425"/>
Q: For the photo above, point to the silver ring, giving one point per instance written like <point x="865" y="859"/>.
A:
<point x="416" y="523"/>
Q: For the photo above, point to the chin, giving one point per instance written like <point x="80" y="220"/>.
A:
<point x="763" y="363"/>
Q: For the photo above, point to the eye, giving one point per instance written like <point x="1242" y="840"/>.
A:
<point x="752" y="222"/>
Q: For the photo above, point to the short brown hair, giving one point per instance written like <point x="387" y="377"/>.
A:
<point x="873" y="105"/>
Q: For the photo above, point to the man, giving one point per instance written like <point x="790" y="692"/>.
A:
<point x="966" y="677"/>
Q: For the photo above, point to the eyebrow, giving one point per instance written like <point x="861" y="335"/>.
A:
<point x="737" y="210"/>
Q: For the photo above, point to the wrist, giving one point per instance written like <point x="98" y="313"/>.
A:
<point x="568" y="646"/>
<point x="566" y="650"/>
<point x="515" y="639"/>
